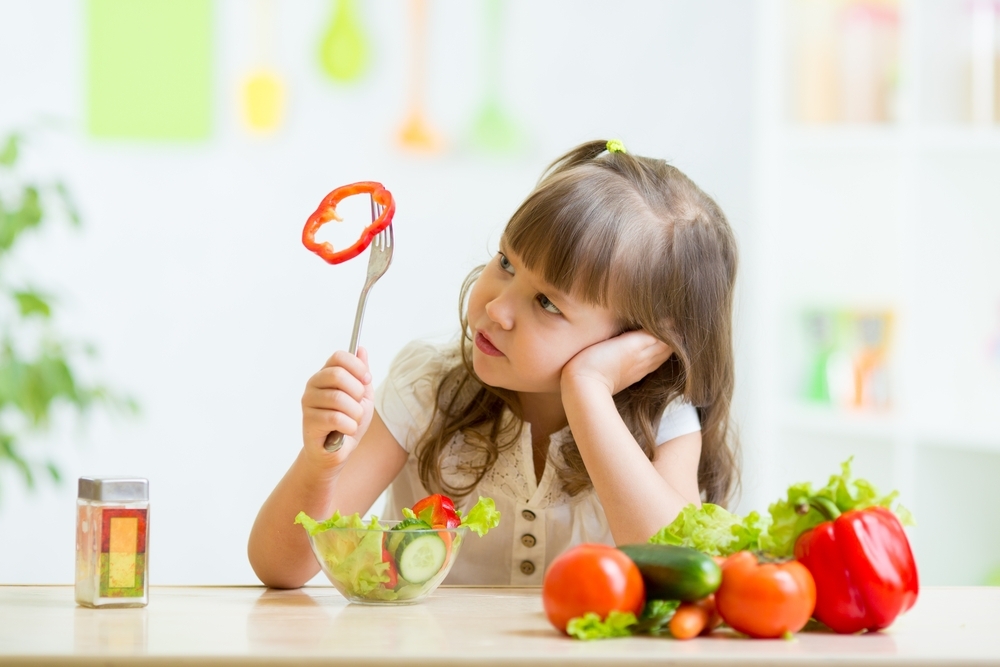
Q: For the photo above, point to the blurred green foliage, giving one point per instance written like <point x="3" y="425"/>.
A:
<point x="36" y="364"/>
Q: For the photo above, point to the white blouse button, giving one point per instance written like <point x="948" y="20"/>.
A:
<point x="528" y="540"/>
<point x="528" y="515"/>
<point x="527" y="567"/>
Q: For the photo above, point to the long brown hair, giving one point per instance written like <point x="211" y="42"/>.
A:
<point x="635" y="235"/>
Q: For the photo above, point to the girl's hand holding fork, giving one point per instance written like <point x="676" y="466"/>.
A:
<point x="340" y="397"/>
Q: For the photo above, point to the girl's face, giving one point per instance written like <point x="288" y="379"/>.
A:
<point x="524" y="330"/>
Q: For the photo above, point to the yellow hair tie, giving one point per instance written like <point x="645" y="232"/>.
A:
<point x="615" y="146"/>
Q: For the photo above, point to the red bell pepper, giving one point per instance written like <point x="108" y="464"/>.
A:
<point x="438" y="511"/>
<point x="387" y="558"/>
<point x="327" y="211"/>
<point x="862" y="564"/>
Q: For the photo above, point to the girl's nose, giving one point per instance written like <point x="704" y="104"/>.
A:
<point x="500" y="312"/>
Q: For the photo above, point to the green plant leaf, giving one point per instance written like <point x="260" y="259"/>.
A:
<point x="68" y="203"/>
<point x="8" y="450"/>
<point x="31" y="384"/>
<point x="32" y="303"/>
<point x="8" y="155"/>
<point x="12" y="223"/>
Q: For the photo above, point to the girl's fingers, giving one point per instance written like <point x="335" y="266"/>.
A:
<point x="335" y="399"/>
<point x="337" y="377"/>
<point x="327" y="421"/>
<point x="355" y="365"/>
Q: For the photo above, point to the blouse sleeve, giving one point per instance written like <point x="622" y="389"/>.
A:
<point x="679" y="418"/>
<point x="405" y="399"/>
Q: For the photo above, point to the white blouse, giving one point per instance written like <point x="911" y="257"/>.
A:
<point x="537" y="521"/>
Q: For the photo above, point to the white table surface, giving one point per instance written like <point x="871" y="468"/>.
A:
<point x="41" y="625"/>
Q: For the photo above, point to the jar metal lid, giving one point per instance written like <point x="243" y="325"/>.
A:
<point x="116" y="489"/>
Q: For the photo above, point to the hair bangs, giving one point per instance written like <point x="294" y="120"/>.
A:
<point x="584" y="211"/>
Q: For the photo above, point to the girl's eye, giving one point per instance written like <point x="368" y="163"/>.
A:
<point x="505" y="263"/>
<point x="547" y="305"/>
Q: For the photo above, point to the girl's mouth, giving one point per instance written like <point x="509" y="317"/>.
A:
<point x="486" y="347"/>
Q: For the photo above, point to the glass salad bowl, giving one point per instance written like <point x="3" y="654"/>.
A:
<point x="386" y="562"/>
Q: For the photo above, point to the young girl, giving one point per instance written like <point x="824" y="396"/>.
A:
<point x="588" y="394"/>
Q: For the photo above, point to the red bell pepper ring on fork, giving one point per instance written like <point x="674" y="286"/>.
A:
<point x="327" y="211"/>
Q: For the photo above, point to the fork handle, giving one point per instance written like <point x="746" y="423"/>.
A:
<point x="335" y="439"/>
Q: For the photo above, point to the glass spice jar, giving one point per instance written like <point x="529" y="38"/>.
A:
<point x="112" y="539"/>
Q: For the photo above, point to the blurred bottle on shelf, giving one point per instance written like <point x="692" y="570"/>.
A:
<point x="871" y="361"/>
<point x="814" y="61"/>
<point x="984" y="62"/>
<point x="821" y="344"/>
<point x="847" y="360"/>
<point x="869" y="61"/>
<point x="845" y="58"/>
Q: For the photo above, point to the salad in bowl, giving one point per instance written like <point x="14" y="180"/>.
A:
<point x="395" y="561"/>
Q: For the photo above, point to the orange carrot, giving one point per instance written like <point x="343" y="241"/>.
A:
<point x="688" y="621"/>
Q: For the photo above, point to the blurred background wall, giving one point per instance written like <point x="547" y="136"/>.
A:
<point x="851" y="144"/>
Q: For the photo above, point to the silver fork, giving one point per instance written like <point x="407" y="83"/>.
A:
<point x="379" y="257"/>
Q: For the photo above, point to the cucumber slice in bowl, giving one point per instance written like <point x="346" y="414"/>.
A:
<point x="420" y="556"/>
<point x="395" y="538"/>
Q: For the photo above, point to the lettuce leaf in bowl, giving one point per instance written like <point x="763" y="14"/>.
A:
<point x="481" y="517"/>
<point x="354" y="558"/>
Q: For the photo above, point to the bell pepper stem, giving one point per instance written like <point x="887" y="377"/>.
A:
<point x="825" y="506"/>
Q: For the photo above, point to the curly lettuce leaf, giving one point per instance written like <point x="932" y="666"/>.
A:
<point x="712" y="530"/>
<point x="793" y="515"/>
<point x="336" y="521"/>
<point x="353" y="558"/>
<point x="363" y="571"/>
<point x="481" y="517"/>
<point x="590" y="626"/>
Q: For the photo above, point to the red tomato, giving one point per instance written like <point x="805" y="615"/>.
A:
<point x="386" y="558"/>
<point x="591" y="578"/>
<point x="765" y="599"/>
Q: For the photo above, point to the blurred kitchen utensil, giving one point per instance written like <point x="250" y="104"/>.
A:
<point x="344" y="49"/>
<point x="493" y="129"/>
<point x="263" y="91"/>
<point x="379" y="258"/>
<point x="416" y="133"/>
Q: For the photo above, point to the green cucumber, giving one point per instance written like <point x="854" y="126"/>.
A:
<point x="420" y="556"/>
<point x="394" y="539"/>
<point x="671" y="572"/>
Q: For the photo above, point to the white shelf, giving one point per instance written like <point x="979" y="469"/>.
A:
<point x="841" y="138"/>
<point x="888" y="138"/>
<point x="825" y="420"/>
<point x="961" y="138"/>
<point x="829" y="420"/>
<point x="970" y="437"/>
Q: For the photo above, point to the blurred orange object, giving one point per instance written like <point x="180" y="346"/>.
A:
<point x="417" y="134"/>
